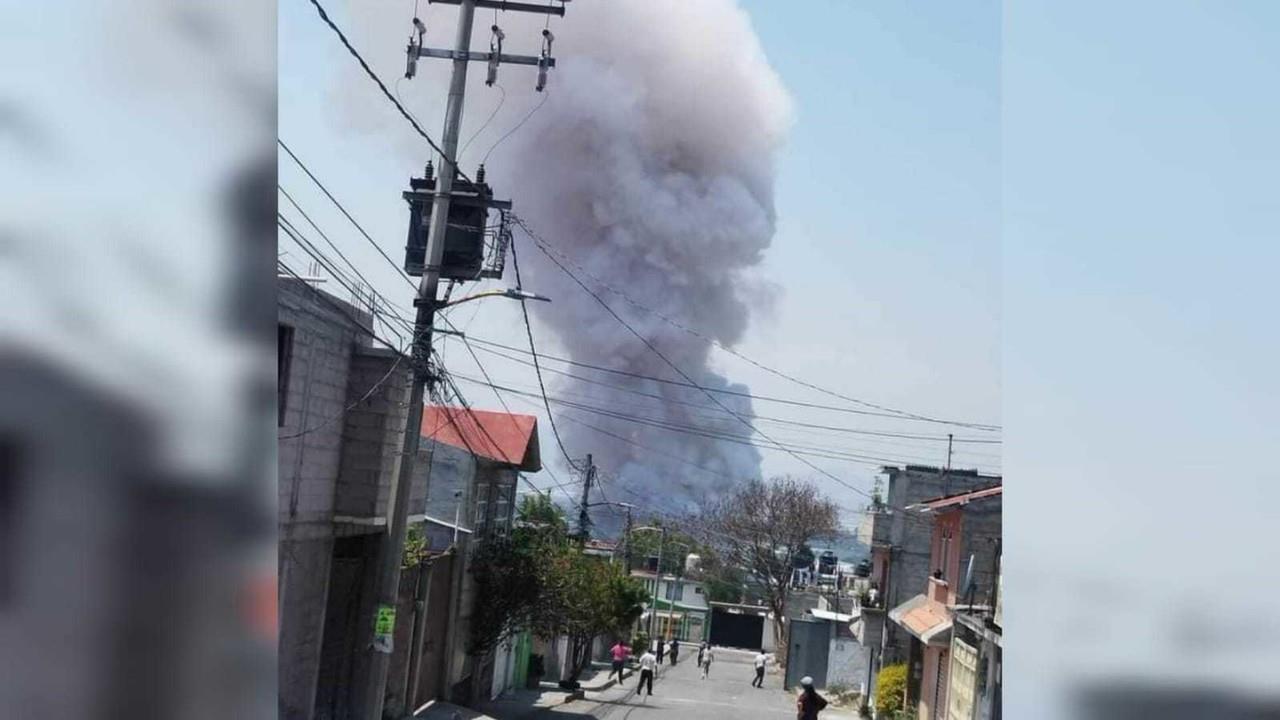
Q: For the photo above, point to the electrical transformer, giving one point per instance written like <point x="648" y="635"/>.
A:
<point x="464" y="242"/>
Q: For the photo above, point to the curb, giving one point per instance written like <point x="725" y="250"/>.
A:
<point x="581" y="692"/>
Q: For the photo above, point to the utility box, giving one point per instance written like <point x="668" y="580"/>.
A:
<point x="464" y="243"/>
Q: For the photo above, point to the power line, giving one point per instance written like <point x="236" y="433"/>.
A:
<point x="546" y="96"/>
<point x="387" y="93"/>
<point x="318" y="255"/>
<point x="675" y="367"/>
<point x="343" y="209"/>
<point x="814" y="451"/>
<point x="350" y="407"/>
<point x="706" y="406"/>
<point x="706" y="338"/>
<point x="321" y="258"/>
<point x="693" y="385"/>
<point x="533" y="350"/>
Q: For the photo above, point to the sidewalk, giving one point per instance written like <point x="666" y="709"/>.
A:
<point x="524" y="702"/>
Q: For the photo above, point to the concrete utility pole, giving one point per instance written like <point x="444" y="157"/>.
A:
<point x="626" y="538"/>
<point x="657" y="582"/>
<point x="391" y="552"/>
<point x="584" y="519"/>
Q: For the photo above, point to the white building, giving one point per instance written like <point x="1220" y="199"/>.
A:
<point x="681" y="607"/>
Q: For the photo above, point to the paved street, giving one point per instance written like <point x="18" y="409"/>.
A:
<point x="679" y="692"/>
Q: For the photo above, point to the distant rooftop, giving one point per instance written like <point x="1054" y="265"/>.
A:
<point x="958" y="499"/>
<point x="954" y="472"/>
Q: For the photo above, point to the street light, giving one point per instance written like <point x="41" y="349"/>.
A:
<point x="506" y="293"/>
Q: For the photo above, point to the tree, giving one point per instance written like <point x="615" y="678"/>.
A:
<point x="508" y="577"/>
<point x="583" y="597"/>
<point x="537" y="511"/>
<point x="680" y="544"/>
<point x="540" y="580"/>
<point x="762" y="526"/>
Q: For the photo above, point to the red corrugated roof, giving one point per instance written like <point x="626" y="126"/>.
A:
<point x="502" y="437"/>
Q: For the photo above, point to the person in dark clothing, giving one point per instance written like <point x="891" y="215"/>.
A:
<point x="674" y="650"/>
<point x="662" y="649"/>
<point x="809" y="703"/>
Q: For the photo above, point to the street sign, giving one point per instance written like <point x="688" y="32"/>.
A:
<point x="384" y="626"/>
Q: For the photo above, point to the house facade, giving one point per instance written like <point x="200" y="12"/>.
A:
<point x="964" y="554"/>
<point x="340" y="424"/>
<point x="901" y="544"/>
<point x="470" y="461"/>
<point x="681" y="609"/>
<point x="342" y="412"/>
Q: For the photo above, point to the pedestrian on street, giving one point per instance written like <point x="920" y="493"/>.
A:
<point x="809" y="703"/>
<point x="674" y="649"/>
<point x="706" y="663"/>
<point x="761" y="661"/>
<point x="620" y="653"/>
<point x="648" y="665"/>
<point x="662" y="649"/>
<point x="702" y="650"/>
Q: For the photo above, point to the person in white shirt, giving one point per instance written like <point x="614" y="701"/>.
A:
<point x="707" y="657"/>
<point x="761" y="661"/>
<point x="648" y="665"/>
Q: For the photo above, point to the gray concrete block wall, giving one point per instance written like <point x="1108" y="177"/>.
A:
<point x="448" y="469"/>
<point x="304" y="586"/>
<point x="330" y="367"/>
<point x="373" y="432"/>
<point x="310" y="445"/>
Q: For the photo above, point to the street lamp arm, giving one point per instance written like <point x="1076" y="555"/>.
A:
<point x="507" y="293"/>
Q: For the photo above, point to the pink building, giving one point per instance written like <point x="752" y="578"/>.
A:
<point x="964" y="554"/>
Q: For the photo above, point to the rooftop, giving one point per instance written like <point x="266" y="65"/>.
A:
<point x="954" y="472"/>
<point x="501" y="437"/>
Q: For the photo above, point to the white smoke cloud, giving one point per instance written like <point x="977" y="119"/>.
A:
<point x="651" y="163"/>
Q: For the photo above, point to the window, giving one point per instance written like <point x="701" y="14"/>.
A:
<point x="675" y="591"/>
<point x="284" y="357"/>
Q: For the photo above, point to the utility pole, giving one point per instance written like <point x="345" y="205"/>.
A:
<point x="584" y="519"/>
<point x="391" y="551"/>
<point x="657" y="581"/>
<point x="626" y="538"/>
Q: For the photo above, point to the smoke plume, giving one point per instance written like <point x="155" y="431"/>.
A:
<point x="651" y="164"/>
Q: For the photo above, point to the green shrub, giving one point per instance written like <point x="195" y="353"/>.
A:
<point x="891" y="689"/>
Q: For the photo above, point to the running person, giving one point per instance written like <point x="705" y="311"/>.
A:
<point x="760" y="662"/>
<point x="620" y="652"/>
<point x="648" y="665"/>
